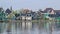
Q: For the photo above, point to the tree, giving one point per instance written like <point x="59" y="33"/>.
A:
<point x="10" y="16"/>
<point x="2" y="14"/>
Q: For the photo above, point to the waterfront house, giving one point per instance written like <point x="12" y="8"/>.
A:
<point x="46" y="13"/>
<point x="52" y="13"/>
<point x="26" y="14"/>
<point x="32" y="15"/>
<point x="41" y="14"/>
<point x="55" y="13"/>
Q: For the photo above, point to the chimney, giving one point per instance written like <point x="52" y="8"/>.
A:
<point x="11" y="8"/>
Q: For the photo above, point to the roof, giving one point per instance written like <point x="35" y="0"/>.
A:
<point x="57" y="11"/>
<point x="48" y="9"/>
<point x="8" y="11"/>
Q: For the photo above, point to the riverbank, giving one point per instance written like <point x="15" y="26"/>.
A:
<point x="33" y="21"/>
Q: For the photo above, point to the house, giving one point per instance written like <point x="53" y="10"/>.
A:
<point x="24" y="15"/>
<point x="57" y="13"/>
<point x="35" y="15"/>
<point x="27" y="14"/>
<point x="47" y="13"/>
<point x="26" y="18"/>
<point x="51" y="13"/>
<point x="41" y="14"/>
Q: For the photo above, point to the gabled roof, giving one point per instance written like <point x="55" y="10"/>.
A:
<point x="8" y="11"/>
<point x="48" y="9"/>
<point x="57" y="11"/>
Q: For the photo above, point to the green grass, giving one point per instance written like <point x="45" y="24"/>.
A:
<point x="35" y="21"/>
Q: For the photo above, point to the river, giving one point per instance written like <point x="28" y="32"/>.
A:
<point x="28" y="28"/>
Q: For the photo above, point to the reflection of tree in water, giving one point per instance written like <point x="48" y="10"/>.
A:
<point x="41" y="26"/>
<point x="9" y="28"/>
<point x="2" y="27"/>
<point x="49" y="27"/>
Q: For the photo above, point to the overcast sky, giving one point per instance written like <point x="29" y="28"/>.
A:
<point x="31" y="4"/>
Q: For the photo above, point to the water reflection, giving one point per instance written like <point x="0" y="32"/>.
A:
<point x="28" y="27"/>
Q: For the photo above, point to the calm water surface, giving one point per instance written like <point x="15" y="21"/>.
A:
<point x="28" y="28"/>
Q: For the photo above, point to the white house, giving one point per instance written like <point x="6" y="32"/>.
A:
<point x="26" y="17"/>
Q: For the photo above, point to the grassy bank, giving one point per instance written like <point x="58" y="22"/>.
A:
<point x="35" y="21"/>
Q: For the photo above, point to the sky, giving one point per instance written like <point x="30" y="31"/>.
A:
<point x="31" y="4"/>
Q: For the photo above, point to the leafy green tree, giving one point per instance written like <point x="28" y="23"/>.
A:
<point x="11" y="16"/>
<point x="2" y="14"/>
